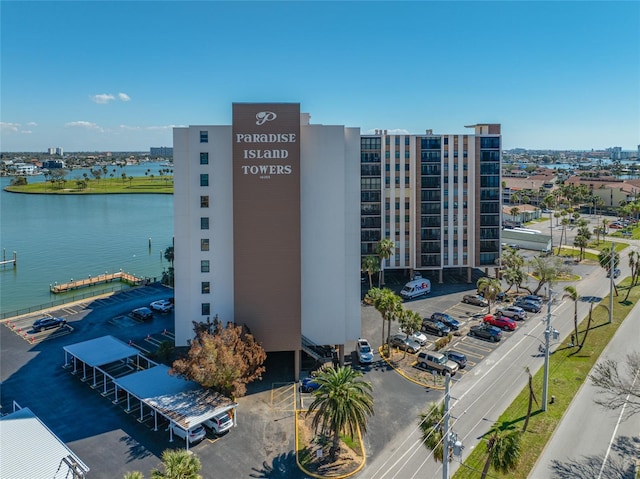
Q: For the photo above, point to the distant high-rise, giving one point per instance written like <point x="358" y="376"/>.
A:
<point x="161" y="151"/>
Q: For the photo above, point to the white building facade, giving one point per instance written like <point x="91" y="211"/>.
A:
<point x="267" y="226"/>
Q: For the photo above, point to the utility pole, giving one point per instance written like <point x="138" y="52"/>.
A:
<point x="547" y="336"/>
<point x="611" y="275"/>
<point x="445" y="430"/>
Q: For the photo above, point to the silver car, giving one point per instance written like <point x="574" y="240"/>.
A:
<point x="513" y="312"/>
<point x="475" y="299"/>
<point x="401" y="341"/>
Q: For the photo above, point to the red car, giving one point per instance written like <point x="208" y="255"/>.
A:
<point x="501" y="322"/>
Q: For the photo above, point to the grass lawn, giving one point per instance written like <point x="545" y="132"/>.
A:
<point x="136" y="185"/>
<point x="567" y="372"/>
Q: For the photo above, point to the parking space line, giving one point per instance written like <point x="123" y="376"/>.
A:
<point x="281" y="394"/>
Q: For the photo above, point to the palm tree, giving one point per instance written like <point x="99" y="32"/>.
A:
<point x="490" y="288"/>
<point x="503" y="449"/>
<point x="370" y="265"/>
<point x="410" y="322"/>
<point x="384" y="248"/>
<point x="565" y="222"/>
<point x="388" y="304"/>
<point x="572" y="293"/>
<point x="133" y="475"/>
<point x="178" y="464"/>
<point x="342" y="404"/>
<point x="431" y="424"/>
<point x="515" y="211"/>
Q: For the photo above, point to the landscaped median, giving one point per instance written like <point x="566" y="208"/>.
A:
<point x="312" y="452"/>
<point x="568" y="369"/>
<point x="404" y="364"/>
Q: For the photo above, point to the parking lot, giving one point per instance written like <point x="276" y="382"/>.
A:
<point x="113" y="440"/>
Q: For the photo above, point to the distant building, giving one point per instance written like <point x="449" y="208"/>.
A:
<point x="162" y="151"/>
<point x="25" y="169"/>
<point x="55" y="151"/>
<point x="53" y="164"/>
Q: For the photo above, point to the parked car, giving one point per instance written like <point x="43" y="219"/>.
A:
<point x="514" y="312"/>
<point x="420" y="338"/>
<point x="475" y="299"/>
<point x="143" y="314"/>
<point x="196" y="434"/>
<point x="456" y="357"/>
<point x="501" y="322"/>
<point x="309" y="385"/>
<point x="514" y="246"/>
<point x="531" y="297"/>
<point x="364" y="351"/>
<point x="219" y="423"/>
<point x="616" y="273"/>
<point x="528" y="305"/>
<point x="162" y="306"/>
<point x="435" y="327"/>
<point x="437" y="361"/>
<point x="402" y="341"/>
<point x="48" y="323"/>
<point x="447" y="320"/>
<point x="486" y="331"/>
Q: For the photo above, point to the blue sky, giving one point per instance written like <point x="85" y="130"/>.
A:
<point x="117" y="75"/>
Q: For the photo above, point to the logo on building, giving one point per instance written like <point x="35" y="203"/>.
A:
<point x="263" y="116"/>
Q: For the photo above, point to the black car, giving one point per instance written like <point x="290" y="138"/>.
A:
<point x="447" y="320"/>
<point x="531" y="297"/>
<point x="435" y="327"/>
<point x="456" y="357"/>
<point x="48" y="323"/>
<point x="143" y="314"/>
<point x="528" y="305"/>
<point x="486" y="331"/>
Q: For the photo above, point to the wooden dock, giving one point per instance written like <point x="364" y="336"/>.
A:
<point x="94" y="280"/>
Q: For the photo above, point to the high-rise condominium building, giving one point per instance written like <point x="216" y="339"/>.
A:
<point x="266" y="227"/>
<point x="436" y="196"/>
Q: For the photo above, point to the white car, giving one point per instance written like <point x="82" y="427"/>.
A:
<point x="419" y="337"/>
<point x="196" y="434"/>
<point x="364" y="351"/>
<point x="162" y="306"/>
<point x="219" y="423"/>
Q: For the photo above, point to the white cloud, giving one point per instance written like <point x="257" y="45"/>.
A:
<point x="84" y="124"/>
<point x="4" y="126"/>
<point x="32" y="123"/>
<point x="103" y="98"/>
<point x="26" y="132"/>
<point x="132" y="128"/>
<point x="124" y="97"/>
<point x="162" y="127"/>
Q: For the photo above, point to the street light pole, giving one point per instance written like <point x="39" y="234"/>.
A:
<point x="611" y="275"/>
<point x="445" y="429"/>
<point x="547" y="337"/>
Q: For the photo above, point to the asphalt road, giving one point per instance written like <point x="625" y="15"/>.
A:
<point x="592" y="441"/>
<point x="480" y="396"/>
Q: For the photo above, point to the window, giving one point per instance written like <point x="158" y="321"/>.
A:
<point x="204" y="179"/>
<point x="205" y="287"/>
<point x="204" y="244"/>
<point x="206" y="309"/>
<point x="204" y="223"/>
<point x="204" y="202"/>
<point x="204" y="158"/>
<point x="204" y="266"/>
<point x="204" y="137"/>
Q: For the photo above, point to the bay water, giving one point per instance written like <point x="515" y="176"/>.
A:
<point x="58" y="238"/>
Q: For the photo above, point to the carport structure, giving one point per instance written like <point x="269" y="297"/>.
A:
<point x="183" y="403"/>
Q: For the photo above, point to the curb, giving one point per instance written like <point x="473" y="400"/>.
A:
<point x="419" y="383"/>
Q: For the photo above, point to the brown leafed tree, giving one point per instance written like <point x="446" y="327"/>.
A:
<point x="222" y="357"/>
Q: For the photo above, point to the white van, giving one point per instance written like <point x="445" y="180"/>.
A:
<point x="415" y="288"/>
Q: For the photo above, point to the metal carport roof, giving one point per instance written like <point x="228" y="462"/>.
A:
<point x="101" y="351"/>
<point x="184" y="402"/>
<point x="29" y="450"/>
